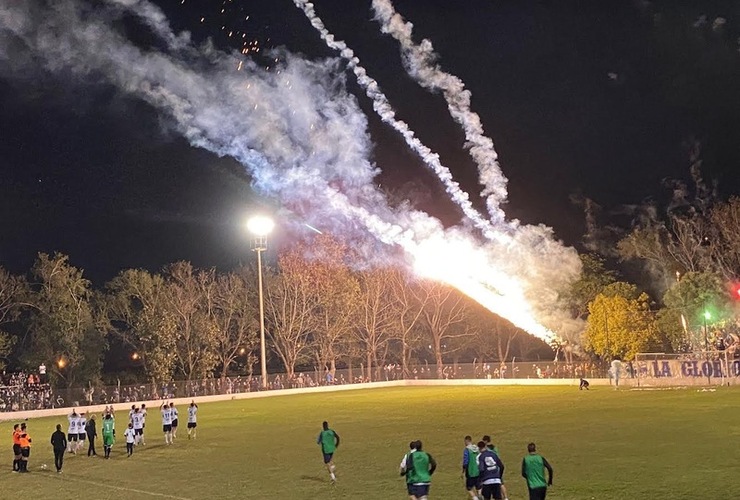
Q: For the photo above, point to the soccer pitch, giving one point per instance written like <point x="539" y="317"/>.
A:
<point x="603" y="445"/>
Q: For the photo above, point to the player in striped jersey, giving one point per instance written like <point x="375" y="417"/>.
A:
<point x="174" y="416"/>
<point x="192" y="419"/>
<point x="73" y="419"/>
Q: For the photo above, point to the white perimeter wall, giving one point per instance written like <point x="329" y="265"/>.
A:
<point x="123" y="408"/>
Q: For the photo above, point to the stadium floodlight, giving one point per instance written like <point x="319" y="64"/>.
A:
<point x="707" y="315"/>
<point x="260" y="226"/>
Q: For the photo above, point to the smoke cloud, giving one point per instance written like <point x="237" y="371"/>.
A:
<point x="301" y="136"/>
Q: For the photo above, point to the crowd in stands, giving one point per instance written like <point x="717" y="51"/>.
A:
<point x="29" y="391"/>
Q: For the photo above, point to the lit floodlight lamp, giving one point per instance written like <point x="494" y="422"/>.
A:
<point x="707" y="315"/>
<point x="260" y="225"/>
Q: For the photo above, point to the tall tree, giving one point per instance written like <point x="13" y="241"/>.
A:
<point x="13" y="297"/>
<point x="443" y="315"/>
<point x="62" y="329"/>
<point x="409" y="304"/>
<point x="136" y="308"/>
<point x="620" y="323"/>
<point x="188" y="295"/>
<point x="375" y="316"/>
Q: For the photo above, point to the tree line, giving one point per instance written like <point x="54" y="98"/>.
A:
<point x="187" y="323"/>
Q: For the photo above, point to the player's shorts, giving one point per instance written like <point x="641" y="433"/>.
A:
<point x="138" y="432"/>
<point x="16" y="449"/>
<point x="167" y="428"/>
<point x="25" y="452"/>
<point x="108" y="439"/>
<point x="72" y="437"/>
<point x="491" y="491"/>
<point x="328" y="457"/>
<point x="192" y="425"/>
<point x="174" y="424"/>
<point x="538" y="493"/>
<point x="471" y="482"/>
<point x="418" y="490"/>
<point x="81" y="436"/>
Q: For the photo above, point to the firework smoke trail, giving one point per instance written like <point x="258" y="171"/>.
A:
<point x="420" y="63"/>
<point x="298" y="133"/>
<point x="383" y="108"/>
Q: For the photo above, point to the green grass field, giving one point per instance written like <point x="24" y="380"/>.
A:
<point x="673" y="444"/>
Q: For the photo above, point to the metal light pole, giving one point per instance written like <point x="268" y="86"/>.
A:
<point x="260" y="226"/>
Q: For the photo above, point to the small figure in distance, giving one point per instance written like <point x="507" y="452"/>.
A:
<point x="533" y="470"/>
<point x="329" y="441"/>
<point x="192" y="419"/>
<point x="583" y="385"/>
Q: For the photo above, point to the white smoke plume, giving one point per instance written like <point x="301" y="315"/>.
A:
<point x="383" y="108"/>
<point x="420" y="62"/>
<point x="299" y="133"/>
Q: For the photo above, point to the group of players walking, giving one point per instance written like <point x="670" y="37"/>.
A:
<point x="81" y="430"/>
<point x="482" y="468"/>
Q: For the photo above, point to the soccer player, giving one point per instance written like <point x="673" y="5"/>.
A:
<point x="109" y="433"/>
<point x="164" y="409"/>
<point x="174" y="414"/>
<point x="583" y="385"/>
<point x="402" y="467"/>
<point x="329" y="441"/>
<point x="470" y="467"/>
<point x="131" y="412"/>
<point x="615" y="371"/>
<point x="137" y="421"/>
<point x="420" y="466"/>
<point x="143" y="422"/>
<point x="25" y="440"/>
<point x="16" y="448"/>
<point x="533" y="470"/>
<point x="73" y="419"/>
<point x="487" y="439"/>
<point x="491" y="470"/>
<point x="130" y="438"/>
<point x="192" y="419"/>
<point x="59" y="444"/>
<point x="81" y="424"/>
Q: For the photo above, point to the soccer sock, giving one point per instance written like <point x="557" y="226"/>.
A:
<point x="15" y="464"/>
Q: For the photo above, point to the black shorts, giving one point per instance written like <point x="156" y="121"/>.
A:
<point x="192" y="425"/>
<point x="138" y="432"/>
<point x="25" y="452"/>
<point x="167" y="428"/>
<point x="418" y="490"/>
<point x="81" y="436"/>
<point x="174" y="424"/>
<point x="16" y="449"/>
<point x="491" y="491"/>
<point x="328" y="457"/>
<point x="71" y="437"/>
<point x="471" y="482"/>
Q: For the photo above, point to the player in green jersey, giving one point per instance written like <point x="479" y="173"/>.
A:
<point x="533" y="470"/>
<point x="329" y="441"/>
<point x="470" y="470"/>
<point x="420" y="466"/>
<point x="109" y="433"/>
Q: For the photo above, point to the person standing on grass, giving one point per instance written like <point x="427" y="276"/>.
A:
<point x="142" y="410"/>
<point x="92" y="433"/>
<point x="130" y="435"/>
<point x="59" y="444"/>
<point x="470" y="470"/>
<point x="81" y="432"/>
<point x="533" y="470"/>
<point x="174" y="414"/>
<point x="489" y="445"/>
<point x="420" y="466"/>
<point x="109" y="433"/>
<point x="137" y="420"/>
<point x="164" y="409"/>
<point x="25" y="448"/>
<point x="329" y="441"/>
<point x="615" y="371"/>
<point x="491" y="471"/>
<point x="73" y="419"/>
<point x="192" y="418"/>
<point x="17" y="448"/>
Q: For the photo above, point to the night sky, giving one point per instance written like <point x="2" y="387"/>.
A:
<point x="591" y="99"/>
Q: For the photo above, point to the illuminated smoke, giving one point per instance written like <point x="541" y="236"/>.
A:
<point x="383" y="108"/>
<point x="420" y="62"/>
<point x="299" y="133"/>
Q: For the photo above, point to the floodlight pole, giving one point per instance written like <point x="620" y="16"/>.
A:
<point x="260" y="245"/>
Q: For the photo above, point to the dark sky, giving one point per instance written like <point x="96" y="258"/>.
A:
<point x="598" y="99"/>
